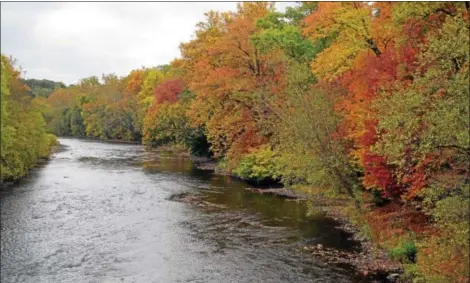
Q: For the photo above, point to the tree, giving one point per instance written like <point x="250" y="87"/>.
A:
<point x="354" y="27"/>
<point x="310" y="151"/>
<point x="229" y="75"/>
<point x="24" y="137"/>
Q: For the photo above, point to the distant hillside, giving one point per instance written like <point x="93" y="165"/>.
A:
<point x="43" y="88"/>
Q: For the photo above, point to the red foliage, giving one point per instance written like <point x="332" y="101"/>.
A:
<point x="370" y="75"/>
<point x="169" y="91"/>
<point x="418" y="175"/>
<point x="378" y="174"/>
<point x="396" y="219"/>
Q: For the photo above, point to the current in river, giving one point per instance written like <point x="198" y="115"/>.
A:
<point x="103" y="212"/>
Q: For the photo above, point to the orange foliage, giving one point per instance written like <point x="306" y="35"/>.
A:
<point x="135" y="80"/>
<point x="225" y="71"/>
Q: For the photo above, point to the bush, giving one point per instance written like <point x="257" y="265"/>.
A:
<point x="405" y="252"/>
<point x="260" y="165"/>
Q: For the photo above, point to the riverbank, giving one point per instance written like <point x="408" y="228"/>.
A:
<point x="205" y="163"/>
<point x="371" y="262"/>
<point x="102" y="140"/>
<point x="368" y="263"/>
<point x="52" y="147"/>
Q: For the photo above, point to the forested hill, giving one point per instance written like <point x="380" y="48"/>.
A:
<point x="42" y="88"/>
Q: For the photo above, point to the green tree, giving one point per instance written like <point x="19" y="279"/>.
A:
<point x="24" y="137"/>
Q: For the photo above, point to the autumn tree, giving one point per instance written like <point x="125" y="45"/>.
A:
<point x="231" y="77"/>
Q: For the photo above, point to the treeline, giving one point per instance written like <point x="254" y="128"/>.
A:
<point x="42" y="88"/>
<point x="369" y="100"/>
<point x="23" y="129"/>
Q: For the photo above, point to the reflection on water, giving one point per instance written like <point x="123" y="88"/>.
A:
<point x="157" y="161"/>
<point x="101" y="212"/>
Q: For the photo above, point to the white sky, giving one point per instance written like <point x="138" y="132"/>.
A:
<point x="69" y="41"/>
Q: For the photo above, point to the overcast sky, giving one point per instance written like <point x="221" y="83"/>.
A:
<point x="69" y="41"/>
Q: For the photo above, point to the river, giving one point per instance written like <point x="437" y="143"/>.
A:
<point x="102" y="212"/>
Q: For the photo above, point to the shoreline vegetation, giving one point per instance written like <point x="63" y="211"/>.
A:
<point x="24" y="137"/>
<point x="96" y="139"/>
<point x="367" y="103"/>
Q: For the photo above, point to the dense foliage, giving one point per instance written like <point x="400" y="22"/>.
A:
<point x="23" y="130"/>
<point x="370" y="100"/>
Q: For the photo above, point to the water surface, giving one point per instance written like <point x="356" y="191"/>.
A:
<point x="101" y="212"/>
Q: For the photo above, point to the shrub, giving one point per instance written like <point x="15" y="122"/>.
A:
<point x="260" y="165"/>
<point x="405" y="252"/>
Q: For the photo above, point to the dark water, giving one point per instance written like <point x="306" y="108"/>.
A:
<point x="100" y="212"/>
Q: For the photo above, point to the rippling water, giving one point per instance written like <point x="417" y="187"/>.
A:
<point x="100" y="212"/>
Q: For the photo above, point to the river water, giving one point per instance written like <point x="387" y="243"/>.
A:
<point x="102" y="212"/>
